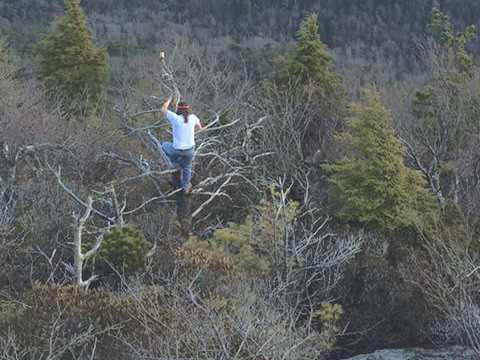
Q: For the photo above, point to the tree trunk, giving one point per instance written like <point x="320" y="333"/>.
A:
<point x="184" y="204"/>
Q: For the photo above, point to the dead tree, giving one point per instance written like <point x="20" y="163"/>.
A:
<point x="79" y="257"/>
<point x="115" y="217"/>
<point x="447" y="274"/>
<point x="226" y="153"/>
<point x="441" y="128"/>
<point x="214" y="151"/>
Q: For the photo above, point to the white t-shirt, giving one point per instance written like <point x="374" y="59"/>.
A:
<point x="183" y="132"/>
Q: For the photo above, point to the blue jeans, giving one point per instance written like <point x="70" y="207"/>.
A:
<point x="180" y="158"/>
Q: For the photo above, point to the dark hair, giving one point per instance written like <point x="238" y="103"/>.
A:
<point x="184" y="109"/>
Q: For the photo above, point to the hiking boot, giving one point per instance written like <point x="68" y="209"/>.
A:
<point x="187" y="191"/>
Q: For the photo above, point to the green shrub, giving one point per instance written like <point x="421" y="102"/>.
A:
<point x="124" y="248"/>
<point x="70" y="61"/>
<point x="374" y="187"/>
<point x="249" y="248"/>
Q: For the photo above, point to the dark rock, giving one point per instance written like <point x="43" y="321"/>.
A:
<point x="451" y="353"/>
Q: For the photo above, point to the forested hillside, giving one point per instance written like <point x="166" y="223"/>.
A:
<point x="238" y="179"/>
<point x="367" y="28"/>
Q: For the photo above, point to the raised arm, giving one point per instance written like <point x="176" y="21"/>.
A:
<point x="166" y="104"/>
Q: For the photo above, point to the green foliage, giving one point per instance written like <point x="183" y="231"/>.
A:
<point x="375" y="188"/>
<point x="446" y="111"/>
<point x="306" y="98"/>
<point x="424" y="109"/>
<point x="455" y="42"/>
<point x="328" y="316"/>
<point x="125" y="248"/>
<point x="329" y="312"/>
<point x="309" y="64"/>
<point x="250" y="248"/>
<point x="450" y="80"/>
<point x="70" y="61"/>
<point x="195" y="253"/>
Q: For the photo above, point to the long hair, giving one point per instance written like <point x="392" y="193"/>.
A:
<point x="184" y="109"/>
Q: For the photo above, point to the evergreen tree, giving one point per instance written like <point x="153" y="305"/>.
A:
<point x="125" y="248"/>
<point x="375" y="188"/>
<point x="70" y="60"/>
<point x="310" y="63"/>
<point x="445" y="113"/>
<point x="454" y="42"/>
<point x="307" y="98"/>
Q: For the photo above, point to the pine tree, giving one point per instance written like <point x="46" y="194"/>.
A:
<point x="70" y="61"/>
<point x="307" y="97"/>
<point x="445" y="113"/>
<point x="455" y="42"/>
<point x="310" y="63"/>
<point x="375" y="188"/>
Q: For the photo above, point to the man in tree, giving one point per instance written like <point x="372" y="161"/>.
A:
<point x="181" y="151"/>
<point x="70" y="61"/>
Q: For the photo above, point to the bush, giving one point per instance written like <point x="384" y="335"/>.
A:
<point x="250" y="248"/>
<point x="239" y="319"/>
<point x="124" y="248"/>
<point x="374" y="187"/>
<point x="67" y="320"/>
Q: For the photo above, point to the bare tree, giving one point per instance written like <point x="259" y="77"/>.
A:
<point x="310" y="258"/>
<point x="79" y="256"/>
<point x="226" y="152"/>
<point x="447" y="274"/>
<point x="441" y="126"/>
<point x="115" y="217"/>
<point x="56" y="343"/>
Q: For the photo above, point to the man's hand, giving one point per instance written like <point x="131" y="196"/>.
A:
<point x="166" y="104"/>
